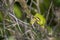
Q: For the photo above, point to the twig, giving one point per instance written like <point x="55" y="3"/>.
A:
<point x="49" y="10"/>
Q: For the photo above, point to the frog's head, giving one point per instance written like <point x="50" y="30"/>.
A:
<point x="40" y="19"/>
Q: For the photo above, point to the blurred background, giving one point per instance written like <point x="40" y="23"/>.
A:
<point x="29" y="19"/>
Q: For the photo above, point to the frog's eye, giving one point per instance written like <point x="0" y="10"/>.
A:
<point x="37" y="19"/>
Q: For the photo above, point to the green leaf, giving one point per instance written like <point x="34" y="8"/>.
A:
<point x="17" y="10"/>
<point x="1" y="16"/>
<point x="46" y="3"/>
<point x="42" y="8"/>
<point x="57" y="3"/>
